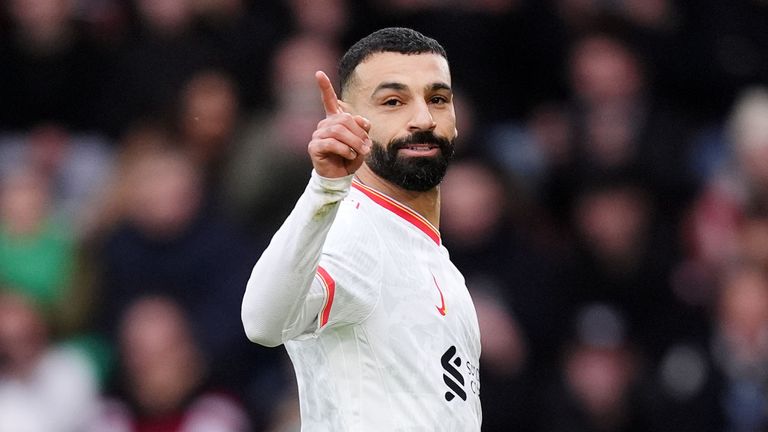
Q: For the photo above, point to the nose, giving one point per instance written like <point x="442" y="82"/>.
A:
<point x="422" y="118"/>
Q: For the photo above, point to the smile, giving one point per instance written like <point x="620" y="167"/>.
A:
<point x="420" y="147"/>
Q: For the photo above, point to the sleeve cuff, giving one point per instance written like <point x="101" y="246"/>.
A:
<point x="340" y="184"/>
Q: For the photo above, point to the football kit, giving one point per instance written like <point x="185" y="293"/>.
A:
<point x="376" y="319"/>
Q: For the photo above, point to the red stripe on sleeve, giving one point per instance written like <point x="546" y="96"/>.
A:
<point x="330" y="287"/>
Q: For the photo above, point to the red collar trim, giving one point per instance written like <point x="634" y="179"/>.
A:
<point x="401" y="210"/>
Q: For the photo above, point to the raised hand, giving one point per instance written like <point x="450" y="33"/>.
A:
<point x="340" y="142"/>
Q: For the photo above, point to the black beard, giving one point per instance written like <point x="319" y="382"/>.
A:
<point x="412" y="173"/>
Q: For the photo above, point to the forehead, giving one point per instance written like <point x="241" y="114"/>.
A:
<point x="413" y="70"/>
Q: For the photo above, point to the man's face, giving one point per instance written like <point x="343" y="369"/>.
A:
<point x="409" y="101"/>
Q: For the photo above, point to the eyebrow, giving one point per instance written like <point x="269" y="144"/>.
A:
<point x="439" y="86"/>
<point x="400" y="87"/>
<point x="389" y="86"/>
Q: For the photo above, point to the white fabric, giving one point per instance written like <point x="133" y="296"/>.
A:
<point x="385" y="357"/>
<point x="59" y="396"/>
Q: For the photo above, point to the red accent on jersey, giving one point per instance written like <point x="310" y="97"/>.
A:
<point x="330" y="289"/>
<point x="399" y="209"/>
<point x="442" y="309"/>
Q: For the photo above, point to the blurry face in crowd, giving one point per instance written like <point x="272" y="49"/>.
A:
<point x="36" y="15"/>
<point x="24" y="203"/>
<point x="743" y="314"/>
<point x="209" y="113"/>
<point x="295" y="89"/>
<point x="749" y="133"/>
<point x="161" y="361"/>
<point x="325" y="18"/>
<point x="166" y="16"/>
<point x="613" y="222"/>
<point x="600" y="378"/>
<point x="23" y="336"/>
<point x="471" y="186"/>
<point x="604" y="71"/>
<point x="165" y="194"/>
<point x="409" y="101"/>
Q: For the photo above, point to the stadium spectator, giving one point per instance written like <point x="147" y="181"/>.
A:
<point x="272" y="146"/>
<point x="52" y="70"/>
<point x="596" y="388"/>
<point x="165" y="242"/>
<point x="75" y="164"/>
<point x="44" y="386"/>
<point x="37" y="250"/>
<point x="164" y="381"/>
<point x="208" y="118"/>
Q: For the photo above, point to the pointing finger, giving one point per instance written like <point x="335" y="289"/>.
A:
<point x="330" y="101"/>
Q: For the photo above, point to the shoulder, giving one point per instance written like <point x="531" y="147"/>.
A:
<point x="355" y="224"/>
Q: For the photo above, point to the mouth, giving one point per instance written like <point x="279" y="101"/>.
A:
<point x="420" y="149"/>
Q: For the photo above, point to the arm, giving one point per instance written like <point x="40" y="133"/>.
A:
<point x="283" y="275"/>
<point x="281" y="279"/>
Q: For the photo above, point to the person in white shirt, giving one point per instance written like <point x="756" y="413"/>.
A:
<point x="356" y="283"/>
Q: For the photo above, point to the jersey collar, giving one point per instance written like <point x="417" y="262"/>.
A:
<point x="399" y="209"/>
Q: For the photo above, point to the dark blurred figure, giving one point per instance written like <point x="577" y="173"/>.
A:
<point x="163" y="378"/>
<point x="720" y="383"/>
<point x="658" y="32"/>
<point x="244" y="35"/>
<point x="517" y="288"/>
<point x="271" y="147"/>
<point x="207" y="122"/>
<point x="37" y="250"/>
<point x="492" y="229"/>
<point x="507" y="376"/>
<point x="153" y="62"/>
<point x="76" y="165"/>
<point x="620" y="128"/>
<point x="625" y="257"/>
<point x="44" y="386"/>
<point x="163" y="241"/>
<point x="725" y="223"/>
<point x="597" y="387"/>
<point x="725" y="48"/>
<point x="328" y="20"/>
<point x="51" y="70"/>
<point x="740" y="348"/>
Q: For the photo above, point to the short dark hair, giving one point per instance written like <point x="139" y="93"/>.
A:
<point x="391" y="39"/>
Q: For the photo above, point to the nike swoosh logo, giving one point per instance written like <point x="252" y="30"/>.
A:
<point x="440" y="308"/>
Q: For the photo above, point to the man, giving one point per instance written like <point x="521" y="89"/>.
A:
<point x="357" y="284"/>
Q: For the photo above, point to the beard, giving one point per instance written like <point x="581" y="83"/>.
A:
<point x="413" y="173"/>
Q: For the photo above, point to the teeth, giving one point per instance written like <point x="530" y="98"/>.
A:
<point x="420" y="147"/>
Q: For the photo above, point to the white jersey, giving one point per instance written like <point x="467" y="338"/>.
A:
<point x="386" y="338"/>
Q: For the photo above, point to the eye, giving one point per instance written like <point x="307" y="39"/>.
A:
<point x="439" y="100"/>
<point x="392" y="102"/>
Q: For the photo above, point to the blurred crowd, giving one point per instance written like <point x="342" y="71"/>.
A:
<point x="608" y="206"/>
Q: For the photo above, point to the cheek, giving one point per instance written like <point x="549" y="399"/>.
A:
<point x="446" y="123"/>
<point x="382" y="131"/>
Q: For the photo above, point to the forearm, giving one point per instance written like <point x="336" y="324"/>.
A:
<point x="283" y="275"/>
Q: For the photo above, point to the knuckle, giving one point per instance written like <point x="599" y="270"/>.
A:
<point x="337" y="129"/>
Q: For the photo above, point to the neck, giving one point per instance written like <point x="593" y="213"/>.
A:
<point x="426" y="203"/>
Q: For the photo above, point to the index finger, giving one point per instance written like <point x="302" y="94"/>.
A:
<point x="330" y="101"/>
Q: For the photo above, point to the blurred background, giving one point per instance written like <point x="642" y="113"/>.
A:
<point x="608" y="206"/>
